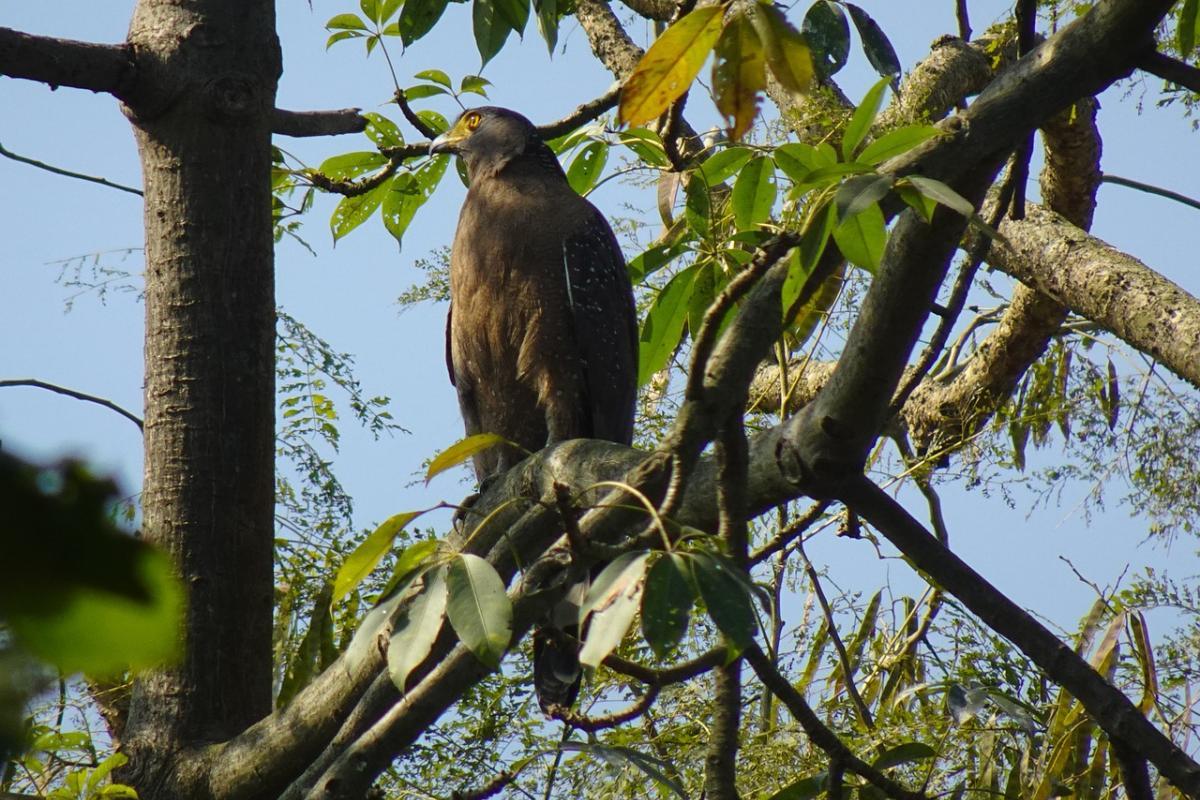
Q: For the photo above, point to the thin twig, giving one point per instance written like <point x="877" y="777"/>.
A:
<point x="422" y="127"/>
<point x="91" y="398"/>
<point x="582" y="115"/>
<point x="794" y="529"/>
<point x="68" y="173"/>
<point x="818" y="733"/>
<point x="1149" y="189"/>
<point x="678" y="673"/>
<point x="591" y="724"/>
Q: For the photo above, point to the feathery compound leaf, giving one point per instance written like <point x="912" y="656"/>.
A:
<point x="738" y="74"/>
<point x="788" y="54"/>
<point x="666" y="604"/>
<point x="364" y="558"/>
<point x="479" y="610"/>
<point x="669" y="66"/>
<point x="612" y="601"/>
<point x="417" y="628"/>
<point x="461" y="450"/>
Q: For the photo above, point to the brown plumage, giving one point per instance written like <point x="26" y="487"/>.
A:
<point x="541" y="340"/>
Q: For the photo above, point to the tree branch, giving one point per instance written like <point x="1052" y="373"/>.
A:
<point x="1171" y="69"/>
<point x="68" y="173"/>
<point x="64" y="62"/>
<point x="1111" y="709"/>
<point x="318" y="123"/>
<point x="90" y="398"/>
<point x="582" y="115"/>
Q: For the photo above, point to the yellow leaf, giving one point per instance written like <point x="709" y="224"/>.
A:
<point x="787" y="52"/>
<point x="461" y="450"/>
<point x="364" y="558"/>
<point x="668" y="67"/>
<point x="738" y="75"/>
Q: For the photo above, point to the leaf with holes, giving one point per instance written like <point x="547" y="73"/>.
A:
<point x="351" y="212"/>
<point x="669" y="66"/>
<point x="828" y="34"/>
<point x="611" y="602"/>
<point x="585" y="169"/>
<point x="382" y="131"/>
<point x="409" y="192"/>
<point x="738" y="74"/>
<point x="478" y="608"/>
<point x="417" y="628"/>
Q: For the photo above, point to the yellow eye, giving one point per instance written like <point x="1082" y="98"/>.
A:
<point x="471" y="120"/>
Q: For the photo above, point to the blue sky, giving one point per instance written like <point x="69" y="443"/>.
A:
<point x="347" y="293"/>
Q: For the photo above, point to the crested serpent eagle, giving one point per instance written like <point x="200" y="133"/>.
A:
<point x="541" y="339"/>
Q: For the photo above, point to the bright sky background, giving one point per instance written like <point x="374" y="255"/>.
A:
<point x="347" y="293"/>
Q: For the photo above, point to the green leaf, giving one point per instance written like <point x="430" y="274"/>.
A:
<point x="669" y="66"/>
<point x="860" y="191"/>
<point x="697" y="207"/>
<point x="345" y="22"/>
<point x="418" y="17"/>
<point x="462" y="450"/>
<point x="387" y="8"/>
<point x="828" y="35"/>
<point x="862" y="237"/>
<point x="664" y="324"/>
<point x="611" y="602"/>
<point x="738" y="74"/>
<point x="490" y="27"/>
<point x="339" y="36"/>
<point x="547" y="19"/>
<point x="351" y="212"/>
<point x="652" y="259"/>
<point x="862" y="119"/>
<point x="408" y="192"/>
<point x="1187" y="28"/>
<point x="88" y="629"/>
<point x="434" y="120"/>
<point x="351" y="165"/>
<point x="803" y="789"/>
<point x="435" y="76"/>
<point x="754" y="193"/>
<point x="515" y="13"/>
<point x="364" y="558"/>
<point x="653" y="767"/>
<point x="923" y="205"/>
<point x="798" y="160"/>
<point x="666" y="604"/>
<point x="727" y="600"/>
<point x="854" y="648"/>
<point x="875" y="44"/>
<point x="417" y="628"/>
<point x="474" y="84"/>
<point x="787" y="52"/>
<point x="895" y="142"/>
<point x="587" y="166"/>
<point x="370" y="9"/>
<point x="704" y="292"/>
<point x="423" y="90"/>
<point x="408" y="565"/>
<point x="941" y="193"/>
<point x="646" y="145"/>
<point x="724" y="163"/>
<point x="478" y="608"/>
<point x="903" y="754"/>
<point x="382" y="131"/>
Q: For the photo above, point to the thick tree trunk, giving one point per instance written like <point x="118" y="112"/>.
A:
<point x="201" y="112"/>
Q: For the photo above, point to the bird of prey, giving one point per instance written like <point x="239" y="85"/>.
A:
<point x="541" y="339"/>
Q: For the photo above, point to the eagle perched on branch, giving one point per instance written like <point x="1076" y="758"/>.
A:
<point x="541" y="340"/>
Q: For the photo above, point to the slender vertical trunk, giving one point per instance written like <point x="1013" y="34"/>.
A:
<point x="207" y="71"/>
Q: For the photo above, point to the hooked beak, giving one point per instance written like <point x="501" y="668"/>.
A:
<point x="447" y="142"/>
